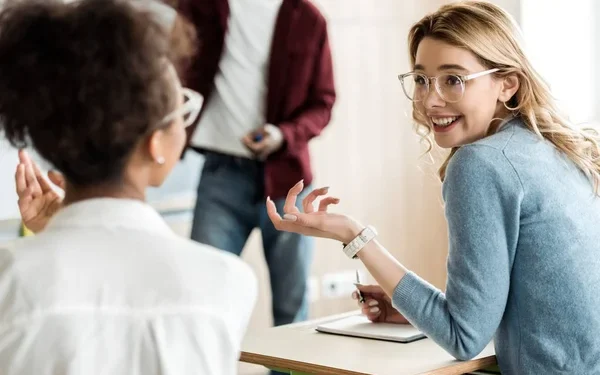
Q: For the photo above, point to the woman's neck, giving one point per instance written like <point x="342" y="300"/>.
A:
<point x="74" y="194"/>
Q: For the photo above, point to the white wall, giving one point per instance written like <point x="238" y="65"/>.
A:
<point x="562" y="42"/>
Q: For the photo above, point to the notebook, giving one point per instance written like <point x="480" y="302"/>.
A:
<point x="360" y="326"/>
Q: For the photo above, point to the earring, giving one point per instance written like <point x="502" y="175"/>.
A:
<point x="509" y="108"/>
<point x="160" y="160"/>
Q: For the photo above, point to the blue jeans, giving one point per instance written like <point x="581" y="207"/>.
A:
<point x="230" y="204"/>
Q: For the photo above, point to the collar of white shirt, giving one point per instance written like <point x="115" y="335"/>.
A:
<point x="109" y="212"/>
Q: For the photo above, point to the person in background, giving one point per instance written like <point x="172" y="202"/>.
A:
<point x="106" y="286"/>
<point x="265" y="71"/>
<point x="521" y="188"/>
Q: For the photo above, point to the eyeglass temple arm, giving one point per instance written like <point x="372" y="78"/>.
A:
<point x="475" y="75"/>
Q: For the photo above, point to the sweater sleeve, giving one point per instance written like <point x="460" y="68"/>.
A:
<point x="482" y="195"/>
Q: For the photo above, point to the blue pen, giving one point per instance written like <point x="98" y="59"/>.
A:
<point x="258" y="137"/>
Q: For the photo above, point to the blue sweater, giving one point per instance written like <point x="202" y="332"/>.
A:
<point x="523" y="260"/>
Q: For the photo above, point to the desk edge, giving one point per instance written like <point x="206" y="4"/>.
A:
<point x="465" y="366"/>
<point x="310" y="368"/>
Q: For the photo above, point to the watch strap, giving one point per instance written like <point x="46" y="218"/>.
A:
<point x="364" y="237"/>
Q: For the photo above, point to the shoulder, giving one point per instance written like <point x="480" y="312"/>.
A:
<point x="233" y="283"/>
<point x="473" y="161"/>
<point x="484" y="164"/>
<point x="232" y="270"/>
<point x="490" y="153"/>
<point x="220" y="259"/>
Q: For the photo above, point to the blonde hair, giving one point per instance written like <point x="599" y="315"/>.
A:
<point x="493" y="36"/>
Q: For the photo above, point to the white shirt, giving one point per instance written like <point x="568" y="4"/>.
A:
<point x="237" y="106"/>
<point x="108" y="288"/>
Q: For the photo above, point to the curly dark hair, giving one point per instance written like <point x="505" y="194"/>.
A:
<point x="84" y="82"/>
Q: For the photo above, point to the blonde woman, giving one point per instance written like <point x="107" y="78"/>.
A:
<point x="521" y="199"/>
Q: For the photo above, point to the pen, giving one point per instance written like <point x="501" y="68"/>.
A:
<point x="361" y="298"/>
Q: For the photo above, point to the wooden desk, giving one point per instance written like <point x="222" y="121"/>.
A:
<point x="298" y="347"/>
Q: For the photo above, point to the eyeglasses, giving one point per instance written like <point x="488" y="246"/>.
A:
<point x="450" y="87"/>
<point x="189" y="110"/>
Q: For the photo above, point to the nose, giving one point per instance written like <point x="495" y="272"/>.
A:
<point x="433" y="98"/>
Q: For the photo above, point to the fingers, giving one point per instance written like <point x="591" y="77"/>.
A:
<point x="369" y="306"/>
<point x="256" y="141"/>
<point x="24" y="157"/>
<point x="41" y="180"/>
<point x="273" y="214"/>
<point x="35" y="181"/>
<point x="32" y="182"/>
<point x="324" y="204"/>
<point x="20" y="182"/>
<point x="258" y="148"/>
<point x="249" y="142"/>
<point x="276" y="219"/>
<point x="296" y="222"/>
<point x="307" y="203"/>
<point x="290" y="200"/>
<point x="370" y="309"/>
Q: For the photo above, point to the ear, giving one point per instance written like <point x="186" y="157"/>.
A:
<point x="510" y="86"/>
<point x="155" y="146"/>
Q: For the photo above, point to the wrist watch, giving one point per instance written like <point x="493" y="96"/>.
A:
<point x="357" y="244"/>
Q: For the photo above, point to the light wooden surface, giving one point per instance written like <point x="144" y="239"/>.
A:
<point x="299" y="347"/>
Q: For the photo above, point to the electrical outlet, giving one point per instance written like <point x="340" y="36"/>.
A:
<point x="339" y="284"/>
<point x="313" y="289"/>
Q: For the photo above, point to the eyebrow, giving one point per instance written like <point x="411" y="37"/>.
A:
<point x="444" y="67"/>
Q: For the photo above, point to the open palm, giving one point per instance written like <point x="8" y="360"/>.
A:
<point x="311" y="222"/>
<point x="38" y="201"/>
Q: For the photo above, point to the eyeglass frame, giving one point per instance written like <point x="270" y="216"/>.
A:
<point x="462" y="78"/>
<point x="192" y="107"/>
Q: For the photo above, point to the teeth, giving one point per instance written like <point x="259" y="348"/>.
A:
<point x="445" y="121"/>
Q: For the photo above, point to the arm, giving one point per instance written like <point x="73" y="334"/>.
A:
<point x="38" y="200"/>
<point x="316" y="113"/>
<point x="483" y="197"/>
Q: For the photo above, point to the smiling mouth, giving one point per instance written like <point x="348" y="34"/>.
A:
<point x="443" y="124"/>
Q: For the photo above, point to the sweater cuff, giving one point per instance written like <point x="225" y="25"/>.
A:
<point x="405" y="290"/>
<point x="411" y="295"/>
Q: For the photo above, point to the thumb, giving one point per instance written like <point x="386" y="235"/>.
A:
<point x="57" y="179"/>
<point x="306" y="220"/>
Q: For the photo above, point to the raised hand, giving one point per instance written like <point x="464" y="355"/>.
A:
<point x="38" y="201"/>
<point x="311" y="222"/>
